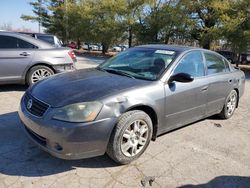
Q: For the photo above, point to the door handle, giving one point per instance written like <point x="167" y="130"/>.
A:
<point x="204" y="88"/>
<point x="25" y="54"/>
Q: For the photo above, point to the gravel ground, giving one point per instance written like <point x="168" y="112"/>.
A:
<point x="209" y="153"/>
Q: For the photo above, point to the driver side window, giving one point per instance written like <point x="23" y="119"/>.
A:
<point x="191" y="63"/>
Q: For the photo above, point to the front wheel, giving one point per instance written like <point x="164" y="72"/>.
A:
<point x="230" y="105"/>
<point x="130" y="137"/>
<point x="37" y="73"/>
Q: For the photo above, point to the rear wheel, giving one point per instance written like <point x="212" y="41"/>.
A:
<point x="130" y="137"/>
<point x="230" y="105"/>
<point x="37" y="73"/>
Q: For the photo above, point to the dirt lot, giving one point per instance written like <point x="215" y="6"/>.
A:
<point x="210" y="153"/>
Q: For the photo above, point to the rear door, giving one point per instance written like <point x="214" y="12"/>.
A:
<point x="220" y="82"/>
<point x="15" y="55"/>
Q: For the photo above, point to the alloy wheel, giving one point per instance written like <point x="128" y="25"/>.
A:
<point x="231" y="104"/>
<point x="134" y="138"/>
<point x="40" y="74"/>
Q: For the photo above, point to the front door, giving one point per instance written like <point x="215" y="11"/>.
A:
<point x="186" y="102"/>
<point x="15" y="55"/>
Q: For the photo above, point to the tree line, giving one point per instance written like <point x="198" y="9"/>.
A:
<point x="206" y="23"/>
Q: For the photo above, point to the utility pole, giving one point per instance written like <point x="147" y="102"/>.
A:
<point x="67" y="20"/>
<point x="39" y="15"/>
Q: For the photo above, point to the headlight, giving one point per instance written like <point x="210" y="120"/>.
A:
<point x="79" y="112"/>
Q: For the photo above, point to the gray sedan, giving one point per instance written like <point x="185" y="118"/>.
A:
<point x="130" y="99"/>
<point x="24" y="59"/>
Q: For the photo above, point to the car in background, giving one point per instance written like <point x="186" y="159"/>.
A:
<point x="85" y="46"/>
<point x="123" y="104"/>
<point x="51" y="39"/>
<point x="93" y="47"/>
<point x="72" y="45"/>
<point x="99" y="47"/>
<point x="90" y="46"/>
<point x="245" y="58"/>
<point x="124" y="47"/>
<point x="26" y="60"/>
<point x="119" y="48"/>
<point x="229" y="55"/>
<point x="116" y="49"/>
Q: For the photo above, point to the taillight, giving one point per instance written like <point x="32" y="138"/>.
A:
<point x="72" y="55"/>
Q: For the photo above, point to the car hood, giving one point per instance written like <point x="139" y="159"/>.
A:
<point x="81" y="86"/>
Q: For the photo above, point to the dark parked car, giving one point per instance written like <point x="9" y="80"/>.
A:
<point x="245" y="58"/>
<point x="230" y="56"/>
<point x="26" y="60"/>
<point x="126" y="102"/>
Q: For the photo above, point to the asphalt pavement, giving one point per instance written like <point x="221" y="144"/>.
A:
<point x="90" y="60"/>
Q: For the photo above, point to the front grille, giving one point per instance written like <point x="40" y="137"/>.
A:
<point x="35" y="106"/>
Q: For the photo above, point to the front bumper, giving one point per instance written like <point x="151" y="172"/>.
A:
<point x="67" y="140"/>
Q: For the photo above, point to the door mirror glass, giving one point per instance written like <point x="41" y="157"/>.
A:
<point x="181" y="77"/>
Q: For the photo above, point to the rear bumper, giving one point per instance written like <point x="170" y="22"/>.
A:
<point x="64" y="67"/>
<point x="67" y="140"/>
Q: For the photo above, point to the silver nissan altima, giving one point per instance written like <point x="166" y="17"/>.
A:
<point x="127" y="101"/>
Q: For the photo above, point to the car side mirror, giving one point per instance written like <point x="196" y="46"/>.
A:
<point x="181" y="77"/>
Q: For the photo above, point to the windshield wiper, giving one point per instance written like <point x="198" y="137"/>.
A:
<point x="119" y="72"/>
<point x="100" y="69"/>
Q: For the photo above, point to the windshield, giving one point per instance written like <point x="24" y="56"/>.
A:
<point x="142" y="63"/>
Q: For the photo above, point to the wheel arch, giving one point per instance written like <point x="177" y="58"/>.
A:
<point x="37" y="64"/>
<point x="238" y="97"/>
<point x="152" y="114"/>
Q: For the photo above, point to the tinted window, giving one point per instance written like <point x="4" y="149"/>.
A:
<point x="8" y="42"/>
<point x="192" y="64"/>
<point x="12" y="42"/>
<point x="49" y="39"/>
<point x="24" y="44"/>
<point x="215" y="64"/>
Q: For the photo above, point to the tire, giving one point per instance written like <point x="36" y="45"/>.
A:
<point x="230" y="105"/>
<point x="37" y="73"/>
<point x="127" y="142"/>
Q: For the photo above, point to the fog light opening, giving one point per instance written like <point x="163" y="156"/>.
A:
<point x="58" y="147"/>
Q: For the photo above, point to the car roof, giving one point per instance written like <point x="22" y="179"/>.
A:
<point x="177" y="49"/>
<point x="169" y="47"/>
<point x="41" y="34"/>
<point x="36" y="42"/>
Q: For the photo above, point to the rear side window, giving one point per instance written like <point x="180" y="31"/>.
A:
<point x="7" y="42"/>
<point x="24" y="44"/>
<point x="191" y="63"/>
<point x="49" y="39"/>
<point x="215" y="64"/>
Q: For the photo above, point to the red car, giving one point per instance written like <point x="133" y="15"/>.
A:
<point x="72" y="45"/>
